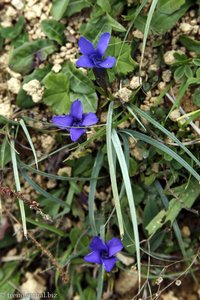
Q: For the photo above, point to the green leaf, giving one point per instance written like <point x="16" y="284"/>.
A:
<point x="179" y="73"/>
<point x="1" y="41"/>
<point x="79" y="83"/>
<point x="196" y="96"/>
<point x="116" y="26"/>
<point x="188" y="71"/>
<point x="58" y="8"/>
<point x="187" y="194"/>
<point x="105" y="5"/>
<point x="5" y="155"/>
<point x="122" y="52"/>
<point x="190" y="44"/>
<point x="56" y="94"/>
<point x="13" y="31"/>
<point x="76" y="6"/>
<point x="9" y="280"/>
<point x="23" y="99"/>
<point x="81" y="87"/>
<point x="22" y="59"/>
<point x="159" y="23"/>
<point x="196" y="61"/>
<point x="54" y="30"/>
<point x="170" y="6"/>
<point x="20" y="40"/>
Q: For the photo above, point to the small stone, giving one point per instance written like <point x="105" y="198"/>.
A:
<point x="56" y="68"/>
<point x="161" y="86"/>
<point x="126" y="282"/>
<point x="169" y="58"/>
<point x="174" y="115"/>
<point x="14" y="85"/>
<point x="186" y="231"/>
<point x="166" y="75"/>
<point x="6" y="109"/>
<point x="138" y="34"/>
<point x="65" y="171"/>
<point x="18" y="4"/>
<point x="34" y="89"/>
<point x="135" y="82"/>
<point x="186" y="27"/>
<point x="124" y="94"/>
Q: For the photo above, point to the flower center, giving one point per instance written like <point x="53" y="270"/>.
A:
<point x="76" y="122"/>
<point x="104" y="254"/>
<point x="96" y="58"/>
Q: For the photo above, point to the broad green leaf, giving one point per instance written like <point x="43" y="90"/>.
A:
<point x="56" y="94"/>
<point x="190" y="44"/>
<point x="188" y="71"/>
<point x="22" y="59"/>
<point x="89" y="101"/>
<point x="23" y="99"/>
<point x="58" y="8"/>
<point x="116" y="26"/>
<point x="79" y="83"/>
<point x="76" y="6"/>
<point x="170" y="6"/>
<point x="54" y="30"/>
<point x="81" y="87"/>
<point x="196" y="61"/>
<point x="122" y="53"/>
<point x="105" y="5"/>
<point x="95" y="27"/>
<point x="20" y="40"/>
<point x="13" y="31"/>
<point x="159" y="23"/>
<point x="179" y="73"/>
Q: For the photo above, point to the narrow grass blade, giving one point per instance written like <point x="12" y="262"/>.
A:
<point x="165" y="131"/>
<point x="129" y="193"/>
<point x="135" y="116"/>
<point x="147" y="27"/>
<point x="17" y="183"/>
<point x="47" y="227"/>
<point x="113" y="170"/>
<point x="23" y="125"/>
<point x="41" y="191"/>
<point x="164" y="148"/>
<point x="93" y="182"/>
<point x="52" y="176"/>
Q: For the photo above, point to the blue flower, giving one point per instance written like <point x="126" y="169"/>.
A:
<point x="76" y="118"/>
<point x="93" y="58"/>
<point x="104" y="253"/>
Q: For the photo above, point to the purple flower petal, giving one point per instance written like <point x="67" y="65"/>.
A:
<point x="109" y="263"/>
<point x="89" y="119"/>
<point x="103" y="43"/>
<point x="114" y="246"/>
<point x="98" y="245"/>
<point x="84" y="62"/>
<point x="107" y="63"/>
<point x="63" y="121"/>
<point x="93" y="257"/>
<point x="76" y="110"/>
<point x="86" y="47"/>
<point x="75" y="133"/>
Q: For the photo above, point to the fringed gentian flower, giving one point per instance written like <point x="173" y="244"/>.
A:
<point x="93" y="58"/>
<point x="76" y="118"/>
<point x="104" y="253"/>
